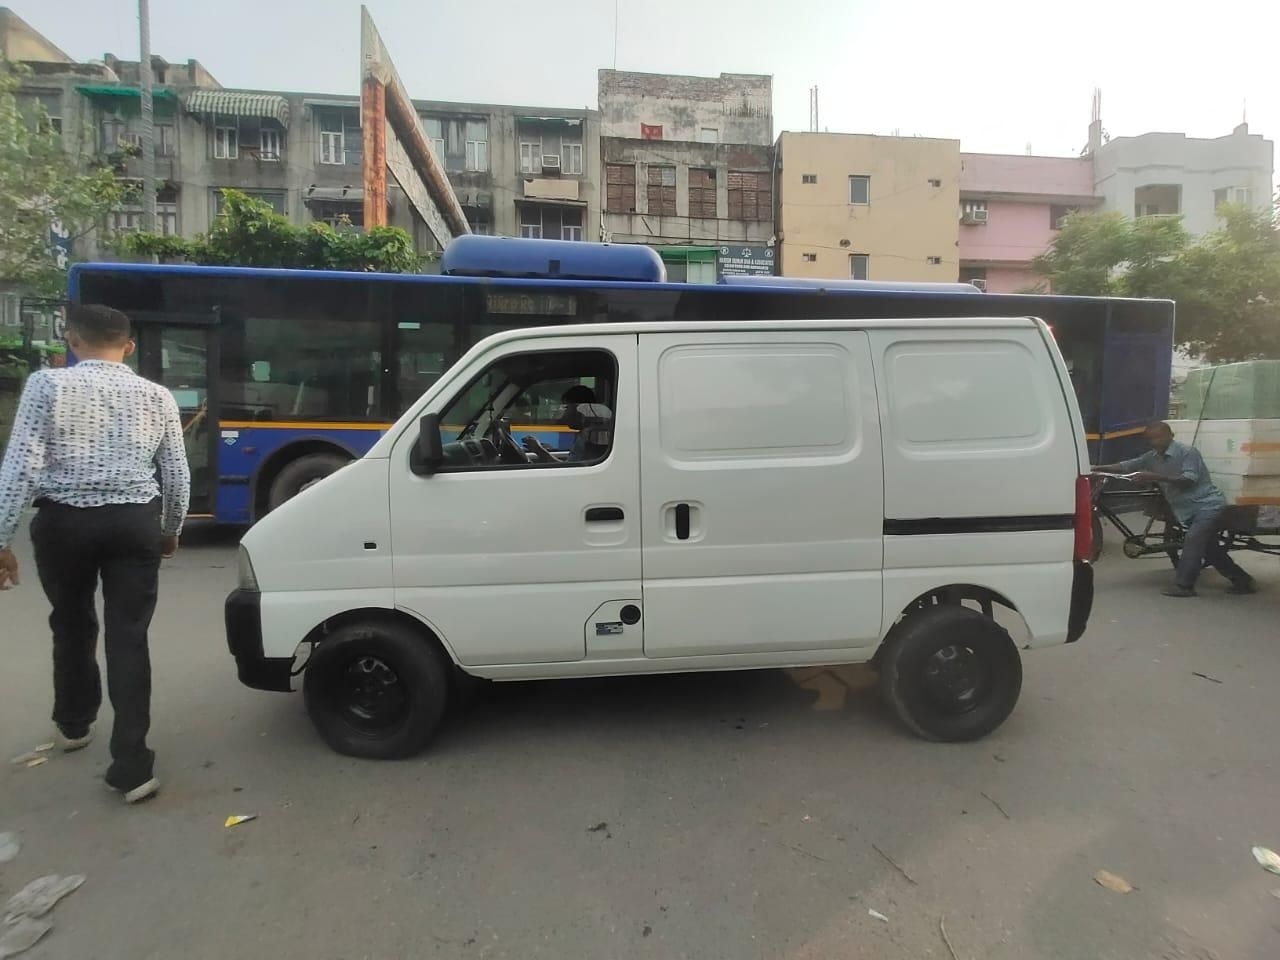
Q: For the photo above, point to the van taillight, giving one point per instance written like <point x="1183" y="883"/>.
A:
<point x="1084" y="520"/>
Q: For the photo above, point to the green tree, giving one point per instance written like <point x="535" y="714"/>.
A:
<point x="248" y="233"/>
<point x="1229" y="304"/>
<point x="43" y="189"/>
<point x="1108" y="254"/>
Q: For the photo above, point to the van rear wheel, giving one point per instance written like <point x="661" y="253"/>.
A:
<point x="376" y="690"/>
<point x="950" y="673"/>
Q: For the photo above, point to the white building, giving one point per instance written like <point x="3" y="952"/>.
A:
<point x="1171" y="174"/>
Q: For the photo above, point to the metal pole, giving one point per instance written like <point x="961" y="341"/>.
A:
<point x="148" y="123"/>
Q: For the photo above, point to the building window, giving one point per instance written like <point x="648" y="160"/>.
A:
<point x="477" y="145"/>
<point x="860" y="190"/>
<point x="1058" y="213"/>
<point x="226" y="142"/>
<point x="113" y="129"/>
<point x="167" y="212"/>
<point x="620" y="188"/>
<point x="702" y="193"/>
<point x="750" y="196"/>
<point x="571" y="158"/>
<point x="650" y="131"/>
<point x="434" y="128"/>
<point x="935" y="182"/>
<point x="531" y="157"/>
<point x="571" y="225"/>
<point x="531" y="222"/>
<point x="128" y="220"/>
<point x="858" y="263"/>
<point x="935" y="261"/>
<point x="340" y="141"/>
<point x="810" y="258"/>
<point x="661" y="192"/>
<point x="708" y="135"/>
<point x="809" y="178"/>
<point x="166" y="143"/>
<point x="268" y="144"/>
<point x="1241" y="196"/>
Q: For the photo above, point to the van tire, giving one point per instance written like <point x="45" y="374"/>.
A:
<point x="376" y="690"/>
<point x="299" y="474"/>
<point x="930" y="655"/>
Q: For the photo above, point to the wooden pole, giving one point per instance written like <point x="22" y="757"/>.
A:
<point x="373" y="132"/>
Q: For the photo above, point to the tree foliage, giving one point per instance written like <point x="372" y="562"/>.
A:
<point x="43" y="190"/>
<point x="1226" y="283"/>
<point x="248" y="233"/>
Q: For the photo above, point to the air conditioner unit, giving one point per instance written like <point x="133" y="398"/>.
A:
<point x="980" y="284"/>
<point x="979" y="215"/>
<point x="551" y="163"/>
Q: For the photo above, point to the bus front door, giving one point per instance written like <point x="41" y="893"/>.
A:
<point x="183" y="358"/>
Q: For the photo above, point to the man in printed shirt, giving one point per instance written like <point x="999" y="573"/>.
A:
<point x="85" y="446"/>
<point x="1197" y="503"/>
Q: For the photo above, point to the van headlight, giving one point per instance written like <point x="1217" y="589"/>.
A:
<point x="248" y="579"/>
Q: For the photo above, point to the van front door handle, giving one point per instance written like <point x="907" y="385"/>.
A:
<point x="604" y="514"/>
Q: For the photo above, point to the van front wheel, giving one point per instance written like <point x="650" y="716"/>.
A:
<point x="950" y="673"/>
<point x="376" y="690"/>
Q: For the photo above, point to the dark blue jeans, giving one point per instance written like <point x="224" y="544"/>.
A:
<point x="1201" y="545"/>
<point x="120" y="544"/>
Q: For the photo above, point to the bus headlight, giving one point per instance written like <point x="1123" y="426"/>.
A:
<point x="248" y="579"/>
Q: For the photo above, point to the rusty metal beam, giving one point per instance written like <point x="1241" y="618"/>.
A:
<point x="373" y="133"/>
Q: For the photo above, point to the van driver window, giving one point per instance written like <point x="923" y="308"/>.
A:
<point x="533" y="410"/>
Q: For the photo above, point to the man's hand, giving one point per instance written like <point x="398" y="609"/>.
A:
<point x="168" y="547"/>
<point x="8" y="570"/>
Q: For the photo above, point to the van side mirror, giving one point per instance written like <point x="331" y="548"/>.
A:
<point x="430" y="448"/>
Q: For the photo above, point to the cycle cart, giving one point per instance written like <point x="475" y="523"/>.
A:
<point x="1117" y="494"/>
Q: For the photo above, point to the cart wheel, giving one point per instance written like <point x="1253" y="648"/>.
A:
<point x="1133" y="547"/>
<point x="1095" y="554"/>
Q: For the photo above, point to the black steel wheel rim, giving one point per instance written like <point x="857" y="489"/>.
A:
<point x="956" y="679"/>
<point x="372" y="697"/>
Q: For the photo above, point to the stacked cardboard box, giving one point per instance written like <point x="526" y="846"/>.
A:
<point x="1243" y="457"/>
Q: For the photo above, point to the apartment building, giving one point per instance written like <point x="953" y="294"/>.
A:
<point x="1010" y="210"/>
<point x="688" y="170"/>
<point x="862" y="207"/>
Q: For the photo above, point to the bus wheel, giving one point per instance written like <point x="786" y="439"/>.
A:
<point x="376" y="690"/>
<point x="950" y="673"/>
<point x="300" y="474"/>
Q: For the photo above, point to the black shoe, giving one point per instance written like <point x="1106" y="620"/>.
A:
<point x="1178" y="590"/>
<point x="1241" y="587"/>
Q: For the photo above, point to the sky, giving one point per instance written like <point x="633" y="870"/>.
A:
<point x="1000" y="76"/>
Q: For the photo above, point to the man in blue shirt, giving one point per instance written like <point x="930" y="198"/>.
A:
<point x="1197" y="503"/>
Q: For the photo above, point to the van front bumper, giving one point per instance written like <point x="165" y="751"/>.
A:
<point x="1081" y="600"/>
<point x="243" y="612"/>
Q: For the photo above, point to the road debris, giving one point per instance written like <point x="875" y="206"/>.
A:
<point x="897" y="866"/>
<point x="36" y="761"/>
<point x="10" y="846"/>
<point x="995" y="803"/>
<point x="877" y="915"/>
<point x="600" y="827"/>
<point x="1112" y="881"/>
<point x="1205" y="676"/>
<point x="942" y="927"/>
<point x="236" y="819"/>
<point x="44" y="747"/>
<point x="40" y="896"/>
<point x="1267" y="859"/>
<point x="22" y="936"/>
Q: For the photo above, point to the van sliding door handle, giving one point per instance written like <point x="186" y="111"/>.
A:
<point x="604" y="514"/>
<point x="682" y="521"/>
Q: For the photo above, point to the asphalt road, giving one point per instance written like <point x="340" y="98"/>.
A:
<point x="749" y="815"/>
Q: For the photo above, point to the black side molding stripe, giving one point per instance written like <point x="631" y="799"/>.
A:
<point x="931" y="526"/>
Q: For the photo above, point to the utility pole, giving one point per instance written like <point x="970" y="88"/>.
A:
<point x="148" y="119"/>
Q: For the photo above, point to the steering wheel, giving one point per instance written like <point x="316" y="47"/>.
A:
<point x="508" y="450"/>
<point x="541" y="453"/>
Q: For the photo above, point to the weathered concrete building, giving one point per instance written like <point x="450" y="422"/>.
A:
<point x="688" y="168"/>
<point x="862" y="207"/>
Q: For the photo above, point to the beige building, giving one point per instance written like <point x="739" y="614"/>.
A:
<point x="856" y="206"/>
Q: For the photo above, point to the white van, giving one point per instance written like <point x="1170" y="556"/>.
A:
<point x="729" y="496"/>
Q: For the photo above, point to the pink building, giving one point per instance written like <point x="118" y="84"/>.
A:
<point x="1010" y="207"/>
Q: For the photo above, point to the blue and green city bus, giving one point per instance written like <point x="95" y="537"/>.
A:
<point x="282" y="376"/>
